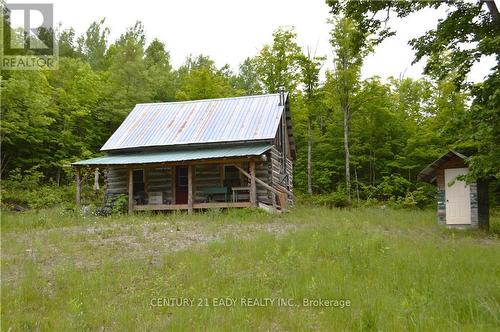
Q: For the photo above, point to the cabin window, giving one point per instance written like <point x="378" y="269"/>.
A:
<point x="231" y="177"/>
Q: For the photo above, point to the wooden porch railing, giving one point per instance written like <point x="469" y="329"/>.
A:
<point x="254" y="179"/>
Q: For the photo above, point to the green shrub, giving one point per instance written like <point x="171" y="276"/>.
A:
<point x="370" y="202"/>
<point x="119" y="204"/>
<point x="425" y="195"/>
<point x="41" y="197"/>
<point x="334" y="199"/>
<point x="394" y="191"/>
<point x="419" y="198"/>
<point x="25" y="190"/>
<point x="393" y="187"/>
<point x="398" y="192"/>
<point x="27" y="180"/>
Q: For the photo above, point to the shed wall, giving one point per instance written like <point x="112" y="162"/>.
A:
<point x="454" y="162"/>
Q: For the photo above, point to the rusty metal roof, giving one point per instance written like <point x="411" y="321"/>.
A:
<point x="250" y="118"/>
<point x="153" y="157"/>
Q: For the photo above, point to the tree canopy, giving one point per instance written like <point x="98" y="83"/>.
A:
<point x="396" y="126"/>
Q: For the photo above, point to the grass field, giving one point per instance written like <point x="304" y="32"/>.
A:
<point x="387" y="270"/>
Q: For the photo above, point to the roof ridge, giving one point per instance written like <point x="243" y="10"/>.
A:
<point x="208" y="99"/>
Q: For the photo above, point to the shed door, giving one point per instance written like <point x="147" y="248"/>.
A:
<point x="457" y="197"/>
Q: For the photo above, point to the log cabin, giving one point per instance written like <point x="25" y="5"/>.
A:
<point x="214" y="153"/>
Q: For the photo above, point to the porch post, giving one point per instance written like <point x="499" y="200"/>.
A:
<point x="190" y="189"/>
<point x="78" y="186"/>
<point x="253" y="186"/>
<point x="130" y="191"/>
<point x="96" y="180"/>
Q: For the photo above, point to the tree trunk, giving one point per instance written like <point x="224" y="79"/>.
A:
<point x="309" y="157"/>
<point x="78" y="187"/>
<point x="58" y="177"/>
<point x="357" y="183"/>
<point x="492" y="7"/>
<point x="3" y="165"/>
<point x="346" y="149"/>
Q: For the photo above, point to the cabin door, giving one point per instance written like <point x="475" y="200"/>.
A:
<point x="139" y="187"/>
<point x="181" y="185"/>
<point x="457" y="197"/>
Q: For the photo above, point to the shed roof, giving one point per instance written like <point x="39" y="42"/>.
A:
<point x="250" y="118"/>
<point x="152" y="157"/>
<point x="429" y="173"/>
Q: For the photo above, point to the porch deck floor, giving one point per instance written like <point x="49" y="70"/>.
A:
<point x="212" y="205"/>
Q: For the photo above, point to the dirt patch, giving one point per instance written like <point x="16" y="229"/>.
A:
<point x="90" y="246"/>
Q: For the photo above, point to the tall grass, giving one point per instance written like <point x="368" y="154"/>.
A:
<point x="398" y="269"/>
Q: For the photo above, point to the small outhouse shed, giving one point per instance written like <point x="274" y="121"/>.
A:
<point x="460" y="204"/>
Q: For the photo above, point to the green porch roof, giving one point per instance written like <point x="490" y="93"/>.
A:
<point x="174" y="155"/>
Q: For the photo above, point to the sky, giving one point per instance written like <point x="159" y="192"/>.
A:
<point x="230" y="30"/>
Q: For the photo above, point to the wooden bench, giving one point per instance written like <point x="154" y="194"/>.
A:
<point x="212" y="191"/>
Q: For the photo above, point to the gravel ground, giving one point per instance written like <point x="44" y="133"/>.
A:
<point x="89" y="246"/>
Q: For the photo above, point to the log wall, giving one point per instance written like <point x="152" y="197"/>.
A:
<point x="116" y="181"/>
<point x="205" y="176"/>
<point x="263" y="171"/>
<point x="162" y="180"/>
<point x="281" y="178"/>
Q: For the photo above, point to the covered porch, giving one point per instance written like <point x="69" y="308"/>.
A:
<point x="189" y="179"/>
